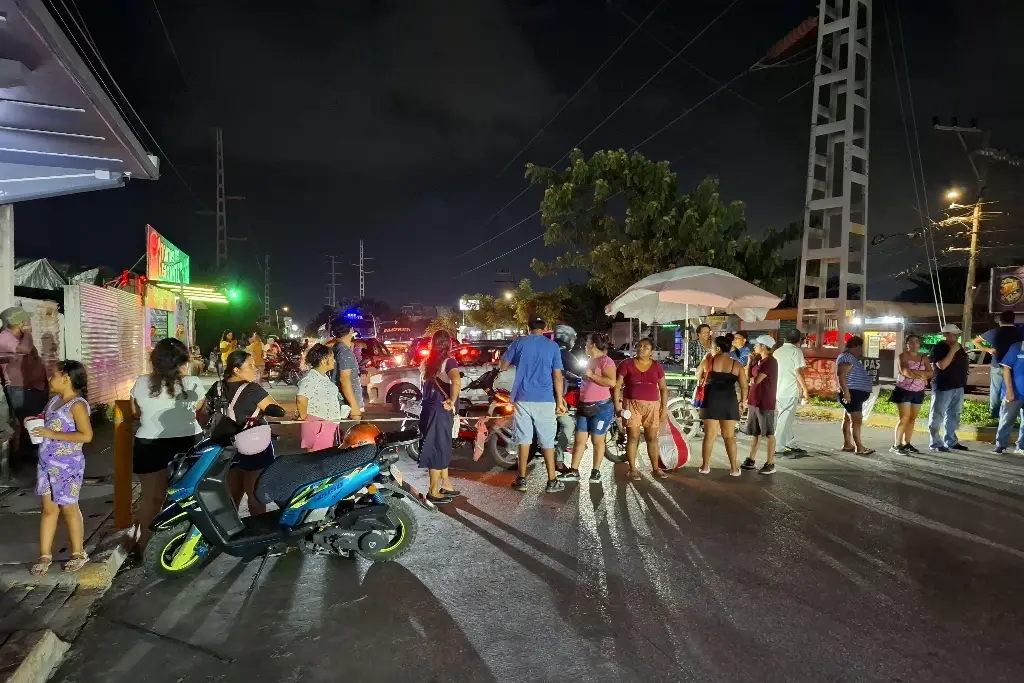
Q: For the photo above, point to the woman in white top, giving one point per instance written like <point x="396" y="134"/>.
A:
<point x="317" y="401"/>
<point x="165" y="401"/>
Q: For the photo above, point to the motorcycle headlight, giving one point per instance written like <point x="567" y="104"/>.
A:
<point x="376" y="379"/>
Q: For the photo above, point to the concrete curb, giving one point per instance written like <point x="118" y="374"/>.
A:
<point x="33" y="655"/>
<point x="968" y="433"/>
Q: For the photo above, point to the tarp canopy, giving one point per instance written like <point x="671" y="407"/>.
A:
<point x="52" y="275"/>
<point x="60" y="133"/>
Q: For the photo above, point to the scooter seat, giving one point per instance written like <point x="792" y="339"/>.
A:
<point x="288" y="473"/>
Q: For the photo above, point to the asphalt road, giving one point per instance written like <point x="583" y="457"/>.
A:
<point x="837" y="568"/>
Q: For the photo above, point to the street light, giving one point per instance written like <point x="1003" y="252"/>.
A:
<point x="285" y="309"/>
<point x="953" y="194"/>
<point x="508" y="296"/>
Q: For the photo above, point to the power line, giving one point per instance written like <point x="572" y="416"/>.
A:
<point x="609" y="117"/>
<point x="500" y="257"/>
<point x="579" y="90"/>
<point x="85" y="33"/>
<point x="170" y="45"/>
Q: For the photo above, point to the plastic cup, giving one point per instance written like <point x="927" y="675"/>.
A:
<point x="30" y="424"/>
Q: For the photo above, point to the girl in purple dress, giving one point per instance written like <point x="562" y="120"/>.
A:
<point x="62" y="464"/>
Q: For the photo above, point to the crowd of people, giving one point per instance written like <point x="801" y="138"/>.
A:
<point x="174" y="410"/>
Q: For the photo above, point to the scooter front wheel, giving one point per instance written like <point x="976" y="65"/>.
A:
<point x="408" y="528"/>
<point x="175" y="552"/>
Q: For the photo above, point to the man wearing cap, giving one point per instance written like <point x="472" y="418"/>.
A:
<point x="24" y="371"/>
<point x="538" y="395"/>
<point x="951" y="365"/>
<point x="764" y="380"/>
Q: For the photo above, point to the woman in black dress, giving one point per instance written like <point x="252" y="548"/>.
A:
<point x="441" y="383"/>
<point x="720" y="410"/>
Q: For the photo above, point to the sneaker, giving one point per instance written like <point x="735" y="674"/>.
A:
<point x="595" y="476"/>
<point x="748" y="464"/>
<point x="794" y="450"/>
<point x="519" y="484"/>
<point x="1018" y="451"/>
<point x="909" y="448"/>
<point x="769" y="468"/>
<point x="554" y="486"/>
<point x="897" y="449"/>
<point x="569" y="475"/>
<point x="999" y="450"/>
<point x="959" y="447"/>
<point x="938" y="449"/>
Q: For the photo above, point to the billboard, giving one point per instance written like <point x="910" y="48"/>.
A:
<point x="468" y="305"/>
<point x="164" y="261"/>
<point x="1006" y="291"/>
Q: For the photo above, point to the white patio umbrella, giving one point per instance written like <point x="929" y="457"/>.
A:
<point x="692" y="291"/>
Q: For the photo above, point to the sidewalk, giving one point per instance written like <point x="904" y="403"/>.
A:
<point x="39" y="617"/>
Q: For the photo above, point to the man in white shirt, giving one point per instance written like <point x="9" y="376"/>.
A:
<point x="791" y="389"/>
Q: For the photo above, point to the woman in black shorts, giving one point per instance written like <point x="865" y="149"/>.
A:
<point x="915" y="372"/>
<point x="165" y="402"/>
<point x="246" y="399"/>
<point x="720" y="374"/>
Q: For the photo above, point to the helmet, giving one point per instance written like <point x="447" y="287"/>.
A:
<point x="361" y="434"/>
<point x="565" y="336"/>
<point x="254" y="440"/>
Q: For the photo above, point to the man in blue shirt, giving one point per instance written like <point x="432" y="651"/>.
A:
<point x="539" y="397"/>
<point x="346" y="368"/>
<point x="998" y="339"/>
<point x="1013" y="398"/>
<point x="740" y="348"/>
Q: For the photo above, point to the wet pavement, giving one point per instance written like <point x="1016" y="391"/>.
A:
<point x="837" y="568"/>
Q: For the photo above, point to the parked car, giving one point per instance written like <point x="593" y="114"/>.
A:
<point x="391" y="385"/>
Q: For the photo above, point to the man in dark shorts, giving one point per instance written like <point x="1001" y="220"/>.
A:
<point x="764" y="380"/>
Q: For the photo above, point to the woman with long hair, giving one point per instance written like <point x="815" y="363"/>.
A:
<point x="165" y="401"/>
<point x="441" y="384"/>
<point x="641" y="390"/>
<point x="721" y="411"/>
<point x="596" y="410"/>
<point x="915" y="372"/>
<point x="247" y="400"/>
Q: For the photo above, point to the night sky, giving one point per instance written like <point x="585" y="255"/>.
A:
<point x="390" y="121"/>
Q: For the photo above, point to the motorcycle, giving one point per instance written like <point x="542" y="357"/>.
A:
<point x="335" y="502"/>
<point x="284" y="367"/>
<point x="465" y="431"/>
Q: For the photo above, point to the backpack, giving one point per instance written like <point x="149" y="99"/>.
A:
<point x="219" y="408"/>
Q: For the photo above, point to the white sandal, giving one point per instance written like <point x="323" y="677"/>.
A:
<point x="41" y="566"/>
<point x="77" y="561"/>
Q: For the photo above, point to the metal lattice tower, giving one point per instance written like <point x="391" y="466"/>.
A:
<point x="266" y="289"/>
<point x="833" y="262"/>
<point x="332" y="286"/>
<point x="222" y="208"/>
<point x="362" y="271"/>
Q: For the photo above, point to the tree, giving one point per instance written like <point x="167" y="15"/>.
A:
<point x="583" y="308"/>
<point x="515" y="311"/>
<point x="321" y="318"/>
<point x="660" y="227"/>
<point x="449" y="323"/>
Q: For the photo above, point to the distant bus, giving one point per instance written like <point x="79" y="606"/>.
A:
<point x="364" y="324"/>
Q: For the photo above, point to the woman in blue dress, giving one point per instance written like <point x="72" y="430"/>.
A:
<point x="441" y="383"/>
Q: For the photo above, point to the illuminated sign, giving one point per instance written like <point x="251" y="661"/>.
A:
<point x="164" y="261"/>
<point x="469" y="304"/>
<point x="397" y="329"/>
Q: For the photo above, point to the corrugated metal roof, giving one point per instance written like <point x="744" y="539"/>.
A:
<point x="60" y="133"/>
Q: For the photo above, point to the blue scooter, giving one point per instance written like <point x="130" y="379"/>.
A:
<point x="336" y="502"/>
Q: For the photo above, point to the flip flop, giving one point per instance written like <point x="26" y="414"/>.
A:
<point x="844" y="449"/>
<point x="866" y="451"/>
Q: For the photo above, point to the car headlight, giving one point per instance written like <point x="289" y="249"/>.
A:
<point x="376" y="379"/>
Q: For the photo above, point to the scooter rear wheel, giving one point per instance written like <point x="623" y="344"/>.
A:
<point x="159" y="557"/>
<point x="403" y="541"/>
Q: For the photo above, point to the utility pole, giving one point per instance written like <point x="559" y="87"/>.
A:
<point x="980" y="176"/>
<point x="266" y="289"/>
<point x="332" y="292"/>
<point x="221" y="211"/>
<point x="222" y="206"/>
<point x="362" y="271"/>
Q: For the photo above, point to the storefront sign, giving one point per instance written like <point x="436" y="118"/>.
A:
<point x="1007" y="290"/>
<point x="164" y="261"/>
<point x="820" y="375"/>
